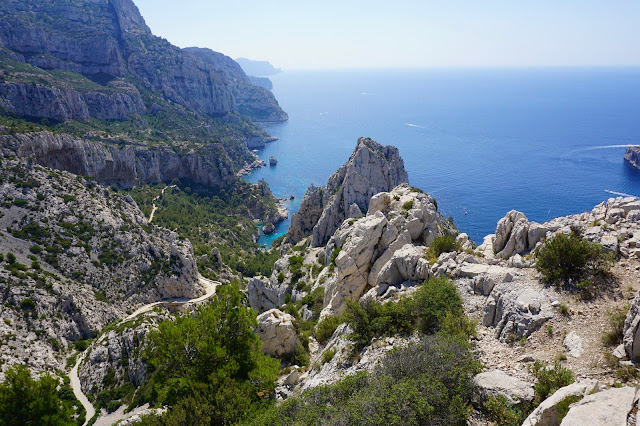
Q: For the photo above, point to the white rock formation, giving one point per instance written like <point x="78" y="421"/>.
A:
<point x="276" y="330"/>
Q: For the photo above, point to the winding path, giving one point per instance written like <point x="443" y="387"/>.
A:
<point x="210" y="287"/>
<point x="155" y="208"/>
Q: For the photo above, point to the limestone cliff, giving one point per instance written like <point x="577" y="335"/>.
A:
<point x="632" y="156"/>
<point x="123" y="165"/>
<point x="252" y="100"/>
<point x="372" y="168"/>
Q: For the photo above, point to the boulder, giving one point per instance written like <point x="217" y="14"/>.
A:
<point x="609" y="407"/>
<point x="277" y="332"/>
<point x="516" y="311"/>
<point x="495" y="383"/>
<point x="573" y="343"/>
<point x="546" y="414"/>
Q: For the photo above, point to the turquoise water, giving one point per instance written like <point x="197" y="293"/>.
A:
<point x="547" y="142"/>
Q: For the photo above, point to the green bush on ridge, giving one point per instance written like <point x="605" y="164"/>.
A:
<point x="566" y="258"/>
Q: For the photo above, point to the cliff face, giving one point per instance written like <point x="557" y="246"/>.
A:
<point x="123" y="166"/>
<point x="106" y="40"/>
<point x="251" y="100"/>
<point x="632" y="156"/>
<point x="372" y="168"/>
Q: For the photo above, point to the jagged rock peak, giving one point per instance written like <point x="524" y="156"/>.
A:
<point x="371" y="169"/>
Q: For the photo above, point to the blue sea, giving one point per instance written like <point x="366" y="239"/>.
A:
<point x="547" y="142"/>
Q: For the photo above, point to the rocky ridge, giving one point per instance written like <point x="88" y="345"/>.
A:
<point x="251" y="99"/>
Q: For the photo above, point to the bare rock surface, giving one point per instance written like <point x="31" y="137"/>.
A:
<point x="495" y="382"/>
<point x="277" y="332"/>
<point x="609" y="407"/>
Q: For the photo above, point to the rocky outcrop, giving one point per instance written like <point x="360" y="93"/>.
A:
<point x="546" y="414"/>
<point x="516" y="235"/>
<point x="117" y="357"/>
<point x="516" y="311"/>
<point x="609" y="407"/>
<point x="372" y="169"/>
<point x="632" y="156"/>
<point x="277" y="333"/>
<point x="263" y="295"/>
<point x="124" y="166"/>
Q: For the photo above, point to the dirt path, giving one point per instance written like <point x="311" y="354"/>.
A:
<point x="210" y="287"/>
<point x="155" y="208"/>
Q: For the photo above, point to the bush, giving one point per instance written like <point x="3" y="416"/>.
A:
<point x="434" y="300"/>
<point x="27" y="304"/>
<point x="212" y="357"/>
<point x="565" y="258"/>
<point x="11" y="258"/>
<point x="549" y="380"/>
<point x="325" y="328"/>
<point x="616" y="318"/>
<point x="369" y="319"/>
<point x="443" y="244"/>
<point x="423" y="384"/>
<point x="500" y="411"/>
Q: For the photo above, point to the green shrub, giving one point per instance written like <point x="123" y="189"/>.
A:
<point x="434" y="300"/>
<point x="11" y="258"/>
<point x="334" y="255"/>
<point x="24" y="401"/>
<point x="369" y="319"/>
<point x="325" y="328"/>
<point x="549" y="380"/>
<point x="504" y="414"/>
<point x="563" y="406"/>
<point x="327" y="356"/>
<point x="300" y="356"/>
<point x="426" y="383"/>
<point x="443" y="244"/>
<point x="565" y="258"/>
<point x="616" y="319"/>
<point x="27" y="304"/>
<point x="408" y="205"/>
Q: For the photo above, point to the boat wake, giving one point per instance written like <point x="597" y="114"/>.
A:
<point x="609" y="146"/>
<point x="415" y="125"/>
<point x="622" y="194"/>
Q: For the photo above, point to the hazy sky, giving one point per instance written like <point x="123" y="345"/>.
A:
<point x="405" y="33"/>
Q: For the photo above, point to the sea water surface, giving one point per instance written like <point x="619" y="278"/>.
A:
<point x="547" y="142"/>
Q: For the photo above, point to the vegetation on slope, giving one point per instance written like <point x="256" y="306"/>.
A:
<point x="213" y="217"/>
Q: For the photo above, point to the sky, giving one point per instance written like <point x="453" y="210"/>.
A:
<point x="337" y="34"/>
